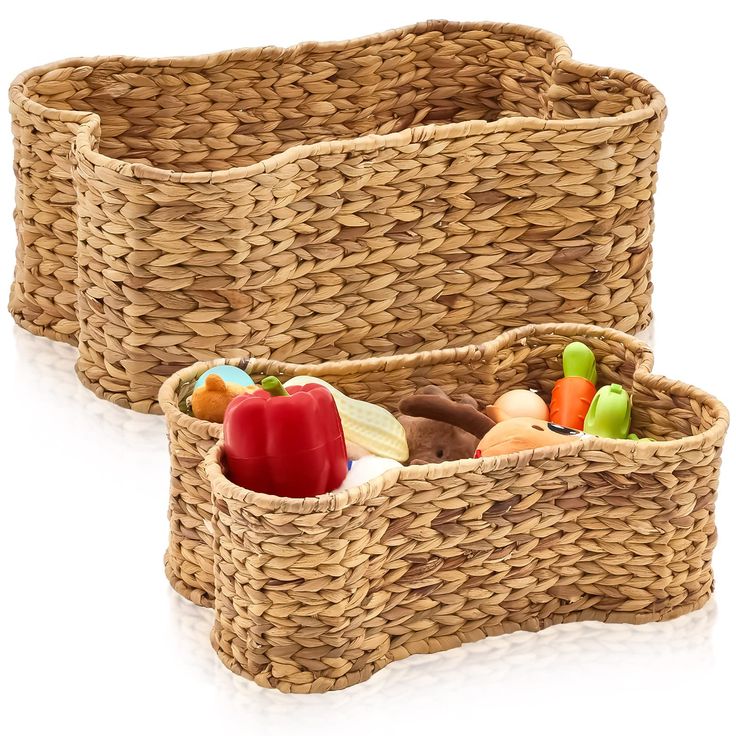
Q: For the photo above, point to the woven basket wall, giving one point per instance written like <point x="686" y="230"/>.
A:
<point x="422" y="188"/>
<point x="318" y="594"/>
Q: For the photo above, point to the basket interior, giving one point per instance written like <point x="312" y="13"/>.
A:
<point x="237" y="108"/>
<point x="662" y="409"/>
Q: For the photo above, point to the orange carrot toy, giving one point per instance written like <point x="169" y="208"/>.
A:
<point x="571" y="395"/>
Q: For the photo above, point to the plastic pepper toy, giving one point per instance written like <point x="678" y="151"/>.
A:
<point x="368" y="427"/>
<point x="571" y="395"/>
<point x="285" y="443"/>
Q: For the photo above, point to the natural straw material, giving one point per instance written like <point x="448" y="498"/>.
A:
<point x="422" y="188"/>
<point x="318" y="594"/>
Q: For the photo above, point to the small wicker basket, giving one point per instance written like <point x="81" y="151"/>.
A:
<point x="318" y="594"/>
<point x="422" y="188"/>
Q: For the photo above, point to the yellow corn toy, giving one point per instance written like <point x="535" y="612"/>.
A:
<point x="368" y="425"/>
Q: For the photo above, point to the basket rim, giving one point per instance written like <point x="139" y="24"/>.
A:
<point x="90" y="122"/>
<point x="640" y="451"/>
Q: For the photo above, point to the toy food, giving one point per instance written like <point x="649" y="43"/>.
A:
<point x="365" y="469"/>
<point x="524" y="433"/>
<point x="210" y="400"/>
<point x="367" y="426"/>
<point x="571" y="395"/>
<point x="285" y="442"/>
<point x="610" y="413"/>
<point x="228" y="373"/>
<point x="519" y="402"/>
<point x="439" y="428"/>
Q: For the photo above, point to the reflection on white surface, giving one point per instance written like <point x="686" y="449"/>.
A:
<point x="192" y="625"/>
<point x="50" y="365"/>
<point x="499" y="661"/>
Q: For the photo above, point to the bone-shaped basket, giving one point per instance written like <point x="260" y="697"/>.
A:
<point x="422" y="188"/>
<point x="318" y="594"/>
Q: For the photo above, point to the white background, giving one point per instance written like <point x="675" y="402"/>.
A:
<point x="93" y="640"/>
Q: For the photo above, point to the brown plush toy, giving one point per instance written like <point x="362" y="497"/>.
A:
<point x="210" y="401"/>
<point x="439" y="428"/>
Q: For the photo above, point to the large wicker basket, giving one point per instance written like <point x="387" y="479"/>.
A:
<point x="422" y="188"/>
<point x="318" y="594"/>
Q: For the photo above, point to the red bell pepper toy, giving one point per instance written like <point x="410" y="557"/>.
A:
<point x="285" y="442"/>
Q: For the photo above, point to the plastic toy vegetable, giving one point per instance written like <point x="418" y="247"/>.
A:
<point x="286" y="443"/>
<point x="571" y="395"/>
<point x="610" y="414"/>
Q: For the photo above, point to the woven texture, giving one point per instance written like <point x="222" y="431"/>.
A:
<point x="318" y="594"/>
<point x="422" y="188"/>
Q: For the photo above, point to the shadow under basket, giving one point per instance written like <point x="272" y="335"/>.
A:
<point x="417" y="189"/>
<point x="318" y="594"/>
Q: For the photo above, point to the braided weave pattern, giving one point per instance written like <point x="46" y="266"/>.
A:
<point x="318" y="594"/>
<point x="422" y="188"/>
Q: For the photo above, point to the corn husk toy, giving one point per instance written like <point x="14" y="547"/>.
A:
<point x="367" y="425"/>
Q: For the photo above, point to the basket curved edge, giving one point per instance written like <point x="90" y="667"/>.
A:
<point x="87" y="143"/>
<point x="65" y="303"/>
<point x="339" y="500"/>
<point x="188" y="569"/>
<point x="437" y="645"/>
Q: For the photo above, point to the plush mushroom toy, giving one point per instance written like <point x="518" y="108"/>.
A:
<point x="439" y="428"/>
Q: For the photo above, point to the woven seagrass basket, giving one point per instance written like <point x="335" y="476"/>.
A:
<point x="318" y="594"/>
<point x="422" y="188"/>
